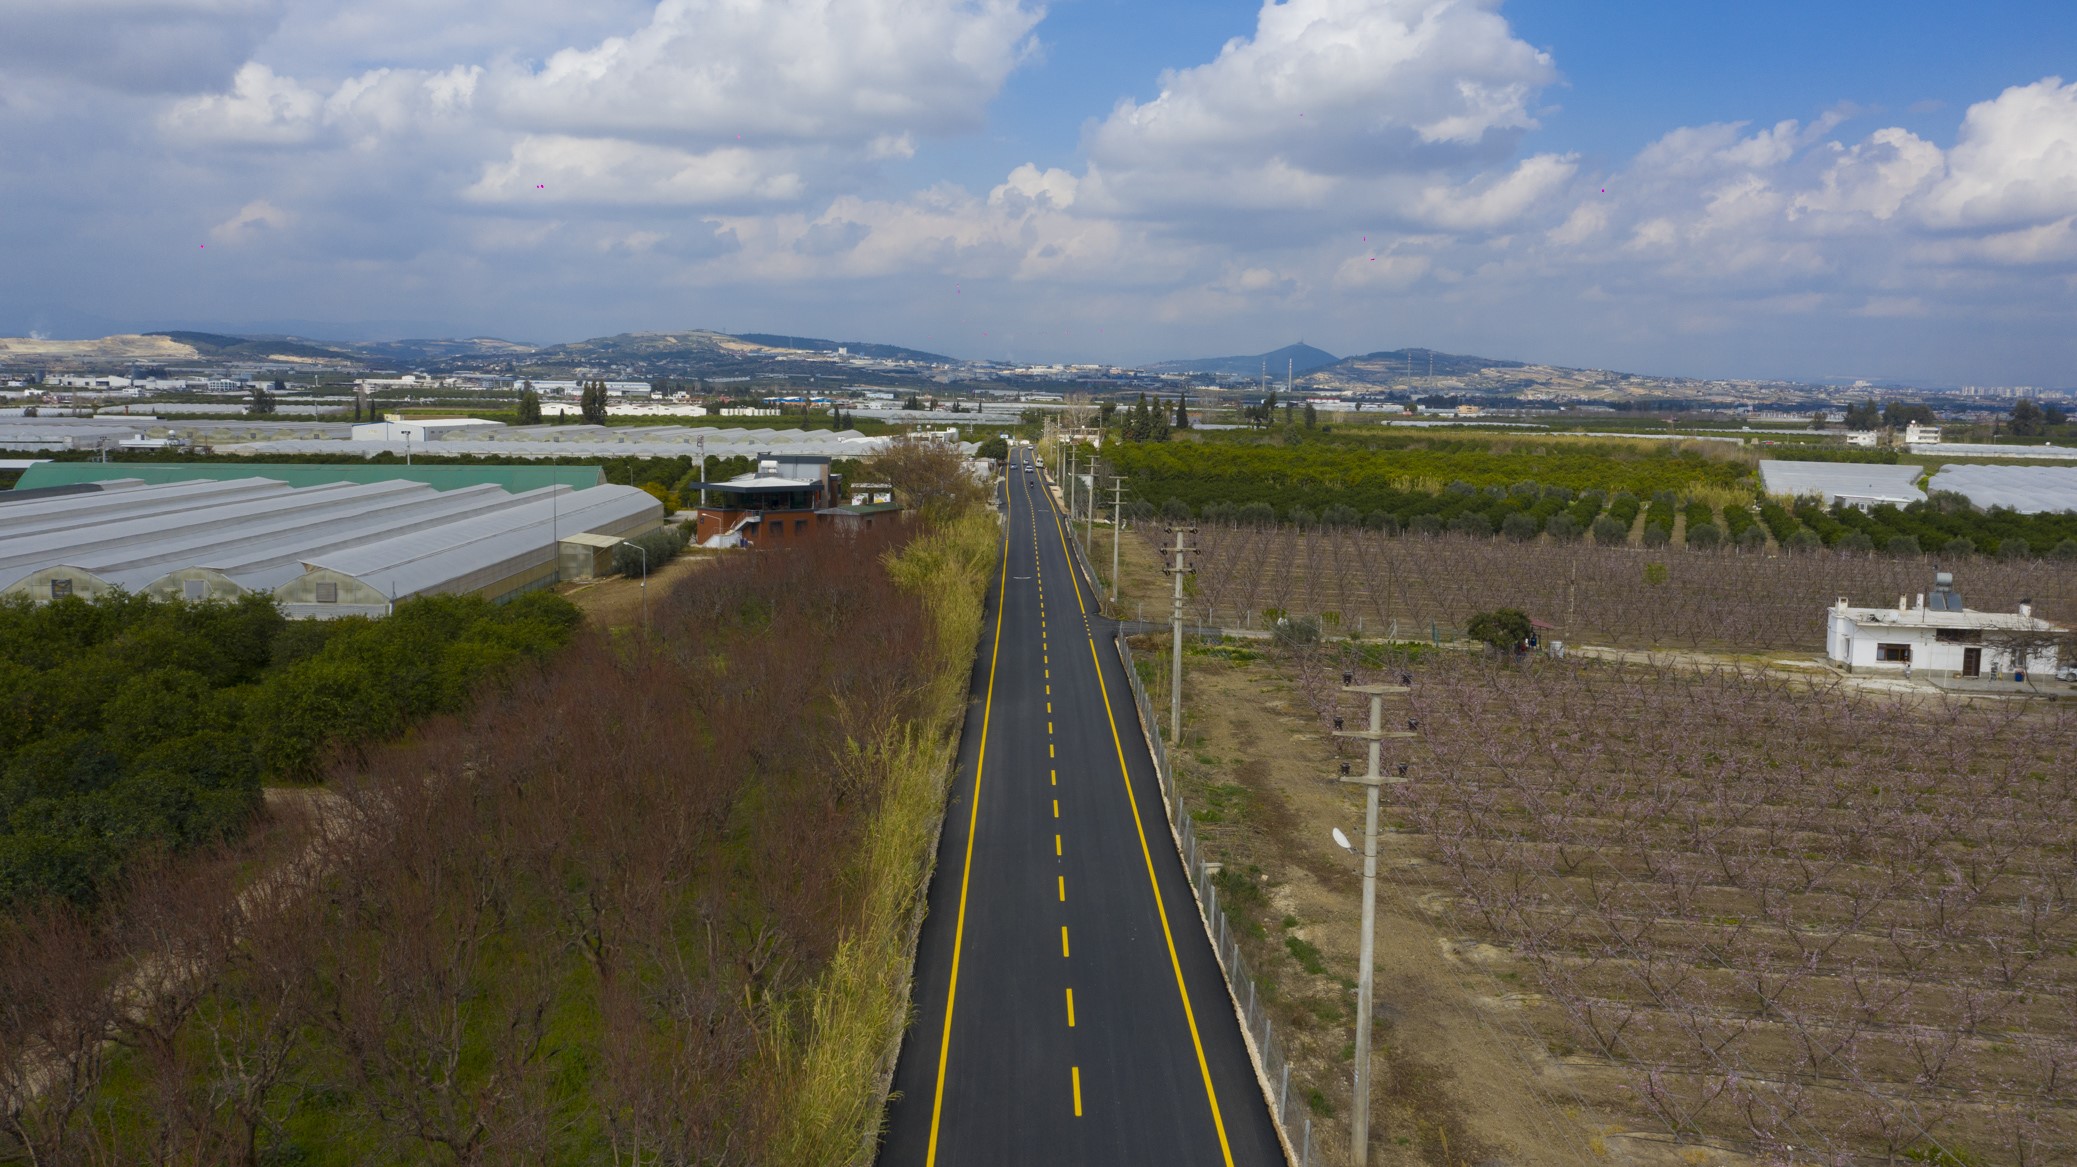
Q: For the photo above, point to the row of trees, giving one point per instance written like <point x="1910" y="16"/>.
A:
<point x="618" y="910"/>
<point x="129" y="725"/>
<point x="2029" y="418"/>
<point x="1353" y="578"/>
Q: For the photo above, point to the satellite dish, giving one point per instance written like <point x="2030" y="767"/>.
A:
<point x="1341" y="840"/>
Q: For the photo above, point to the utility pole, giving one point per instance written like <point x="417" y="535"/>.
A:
<point x="1089" y="511"/>
<point x="1117" y="525"/>
<point x="1072" y="459"/>
<point x="1178" y="569"/>
<point x="1371" y="780"/>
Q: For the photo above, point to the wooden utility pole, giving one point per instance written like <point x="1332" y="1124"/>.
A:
<point x="1371" y="780"/>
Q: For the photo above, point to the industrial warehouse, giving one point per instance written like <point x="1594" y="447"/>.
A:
<point x="340" y="548"/>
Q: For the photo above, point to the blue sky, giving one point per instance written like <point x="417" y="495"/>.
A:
<point x="1833" y="190"/>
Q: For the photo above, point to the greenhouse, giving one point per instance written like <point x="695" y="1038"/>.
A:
<point x="343" y="548"/>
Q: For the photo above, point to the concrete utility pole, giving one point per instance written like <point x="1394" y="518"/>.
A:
<point x="1179" y="569"/>
<point x="1371" y="780"/>
<point x="1074" y="459"/>
<point x="1089" y="511"/>
<point x="1117" y="525"/>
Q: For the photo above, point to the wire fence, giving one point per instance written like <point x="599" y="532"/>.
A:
<point x="1272" y="1066"/>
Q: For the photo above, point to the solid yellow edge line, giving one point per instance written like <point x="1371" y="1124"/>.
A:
<point x="1175" y="962"/>
<point x="937" y="1104"/>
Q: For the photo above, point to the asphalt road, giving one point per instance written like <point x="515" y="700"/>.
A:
<point x="1068" y="1006"/>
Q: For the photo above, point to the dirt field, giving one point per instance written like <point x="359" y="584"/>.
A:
<point x="616" y="601"/>
<point x="1461" y="1077"/>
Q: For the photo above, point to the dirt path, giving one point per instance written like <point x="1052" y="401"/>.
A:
<point x="616" y="601"/>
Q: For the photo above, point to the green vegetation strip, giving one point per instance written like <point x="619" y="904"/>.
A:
<point x="652" y="902"/>
<point x="129" y="724"/>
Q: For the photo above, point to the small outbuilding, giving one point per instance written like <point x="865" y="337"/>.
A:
<point x="1938" y="637"/>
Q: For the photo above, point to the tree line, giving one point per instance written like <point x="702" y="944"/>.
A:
<point x="130" y="725"/>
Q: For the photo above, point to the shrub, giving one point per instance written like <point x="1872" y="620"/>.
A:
<point x="1803" y="540"/>
<point x="1903" y="545"/>
<point x="1384" y="521"/>
<point x="1175" y="508"/>
<point x="1472" y="523"/>
<point x="1753" y="538"/>
<point x="1854" y="541"/>
<point x="1296" y="632"/>
<point x="2014" y="548"/>
<point x="1609" y="532"/>
<point x="1503" y="628"/>
<point x="1959" y="545"/>
<point x="1706" y="535"/>
<point x="1300" y="517"/>
<point x="1519" y="527"/>
<point x="1657" y="535"/>
<point x="659" y="545"/>
<point x="1340" y="516"/>
<point x="1562" y="527"/>
<point x="2065" y="551"/>
<point x="1258" y="514"/>
<point x="1425" y="525"/>
<point x="1139" y="508"/>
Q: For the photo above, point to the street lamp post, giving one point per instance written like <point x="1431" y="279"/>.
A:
<point x="1370" y="780"/>
<point x="644" y="588"/>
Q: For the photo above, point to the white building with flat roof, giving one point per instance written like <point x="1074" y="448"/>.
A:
<point x="1937" y="637"/>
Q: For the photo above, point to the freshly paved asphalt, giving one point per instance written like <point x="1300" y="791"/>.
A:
<point x="1058" y="887"/>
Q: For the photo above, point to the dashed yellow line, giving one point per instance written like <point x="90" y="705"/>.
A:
<point x="1076" y="1073"/>
<point x="937" y="1105"/>
<point x="1175" y="962"/>
<point x="1063" y="943"/>
<point x="1063" y="888"/>
<point x="1070" y="1008"/>
<point x="1056" y="846"/>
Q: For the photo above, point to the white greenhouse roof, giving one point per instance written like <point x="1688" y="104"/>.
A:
<point x="259" y="534"/>
<point x="422" y="561"/>
<point x="2026" y="489"/>
<point x="1857" y="481"/>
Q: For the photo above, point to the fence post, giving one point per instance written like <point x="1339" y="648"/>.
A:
<point x="1283" y="1092"/>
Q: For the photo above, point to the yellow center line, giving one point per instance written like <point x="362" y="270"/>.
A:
<point x="1055" y="776"/>
<point x="1076" y="1071"/>
<point x="1049" y="704"/>
<point x="1063" y="888"/>
<point x="937" y="1105"/>
<point x="1056" y="808"/>
<point x="1175" y="962"/>
<point x="1063" y="942"/>
<point x="1056" y="846"/>
<point x="1070" y="1008"/>
<point x="1049" y="725"/>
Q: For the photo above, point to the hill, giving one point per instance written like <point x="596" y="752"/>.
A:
<point x="887" y="352"/>
<point x="1400" y="363"/>
<point x="1297" y="358"/>
<point x="258" y="348"/>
